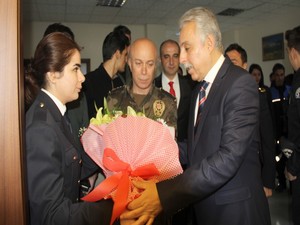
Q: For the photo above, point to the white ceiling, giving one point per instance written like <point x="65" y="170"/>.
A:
<point x="165" y="12"/>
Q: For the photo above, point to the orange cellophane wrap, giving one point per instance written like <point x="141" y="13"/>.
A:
<point x="130" y="148"/>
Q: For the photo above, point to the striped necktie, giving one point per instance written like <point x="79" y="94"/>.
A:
<point x="202" y="98"/>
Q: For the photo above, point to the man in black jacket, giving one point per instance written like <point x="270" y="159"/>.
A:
<point x="102" y="80"/>
<point x="238" y="56"/>
<point x="293" y="163"/>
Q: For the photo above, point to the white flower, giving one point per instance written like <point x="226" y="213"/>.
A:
<point x="81" y="131"/>
<point x="162" y="121"/>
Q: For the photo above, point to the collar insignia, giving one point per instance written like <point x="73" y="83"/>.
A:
<point x="158" y="108"/>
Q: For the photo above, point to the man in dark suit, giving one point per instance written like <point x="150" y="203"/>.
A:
<point x="181" y="85"/>
<point x="223" y="178"/>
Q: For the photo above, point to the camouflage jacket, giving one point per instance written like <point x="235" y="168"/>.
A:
<point x="158" y="104"/>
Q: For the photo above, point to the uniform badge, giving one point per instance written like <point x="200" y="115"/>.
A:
<point x="261" y="89"/>
<point x="297" y="93"/>
<point x="158" y="108"/>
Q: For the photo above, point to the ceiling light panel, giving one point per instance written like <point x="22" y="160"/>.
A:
<point x="111" y="3"/>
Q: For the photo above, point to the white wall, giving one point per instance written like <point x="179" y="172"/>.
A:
<point x="250" y="38"/>
<point x="91" y="37"/>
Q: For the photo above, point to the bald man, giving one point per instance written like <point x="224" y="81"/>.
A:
<point x="141" y="94"/>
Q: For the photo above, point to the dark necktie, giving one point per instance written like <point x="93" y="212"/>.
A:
<point x="172" y="91"/>
<point x="68" y="122"/>
<point x="202" y="98"/>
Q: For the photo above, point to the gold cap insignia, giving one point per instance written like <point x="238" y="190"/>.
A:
<point x="158" y="108"/>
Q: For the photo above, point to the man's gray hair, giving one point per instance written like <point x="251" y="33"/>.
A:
<point x="206" y="22"/>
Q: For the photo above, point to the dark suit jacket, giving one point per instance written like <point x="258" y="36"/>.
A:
<point x="53" y="170"/>
<point x="293" y="163"/>
<point x="267" y="151"/>
<point x="223" y="179"/>
<point x="183" y="110"/>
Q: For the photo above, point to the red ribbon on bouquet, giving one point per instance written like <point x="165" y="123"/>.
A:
<point x="119" y="182"/>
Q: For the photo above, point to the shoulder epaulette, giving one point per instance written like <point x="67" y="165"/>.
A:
<point x="40" y="112"/>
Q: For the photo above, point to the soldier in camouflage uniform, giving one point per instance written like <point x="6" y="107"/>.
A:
<point x="157" y="104"/>
<point x="142" y="95"/>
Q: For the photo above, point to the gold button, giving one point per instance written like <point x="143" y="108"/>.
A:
<point x="80" y="161"/>
<point x="42" y="104"/>
<point x="78" y="181"/>
<point x="74" y="157"/>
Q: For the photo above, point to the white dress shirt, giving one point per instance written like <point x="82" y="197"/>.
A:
<point x="210" y="77"/>
<point x="165" y="85"/>
<point x="62" y="108"/>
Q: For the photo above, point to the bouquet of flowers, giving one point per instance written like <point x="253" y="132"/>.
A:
<point x="128" y="147"/>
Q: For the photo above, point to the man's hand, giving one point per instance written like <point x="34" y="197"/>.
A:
<point x="126" y="222"/>
<point x="145" y="208"/>
<point x="92" y="179"/>
<point x="268" y="192"/>
<point x="289" y="176"/>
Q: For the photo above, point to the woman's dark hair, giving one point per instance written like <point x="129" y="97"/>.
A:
<point x="52" y="54"/>
<point x="256" y="66"/>
<point x="31" y="88"/>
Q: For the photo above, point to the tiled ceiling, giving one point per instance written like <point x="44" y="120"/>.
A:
<point x="165" y="12"/>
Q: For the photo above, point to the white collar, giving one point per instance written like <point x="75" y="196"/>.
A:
<point x="62" y="108"/>
<point x="211" y="75"/>
<point x="167" y="80"/>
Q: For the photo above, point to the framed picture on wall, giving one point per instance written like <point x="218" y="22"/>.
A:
<point x="273" y="47"/>
<point x="85" y="66"/>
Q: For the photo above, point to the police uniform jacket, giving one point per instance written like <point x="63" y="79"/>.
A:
<point x="78" y="114"/>
<point x="157" y="104"/>
<point x="53" y="170"/>
<point x="280" y="96"/>
<point x="293" y="164"/>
